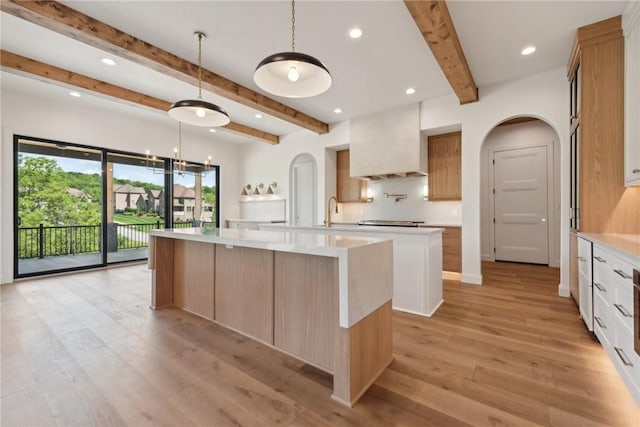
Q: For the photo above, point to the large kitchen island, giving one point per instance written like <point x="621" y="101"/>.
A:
<point x="324" y="299"/>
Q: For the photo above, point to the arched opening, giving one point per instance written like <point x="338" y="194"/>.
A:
<point x="303" y="176"/>
<point x="520" y="193"/>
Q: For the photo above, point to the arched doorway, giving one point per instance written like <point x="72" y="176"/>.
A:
<point x="520" y="192"/>
<point x="303" y="176"/>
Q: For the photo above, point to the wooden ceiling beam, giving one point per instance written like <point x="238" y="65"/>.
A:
<point x="434" y="22"/>
<point x="64" y="20"/>
<point x="13" y="62"/>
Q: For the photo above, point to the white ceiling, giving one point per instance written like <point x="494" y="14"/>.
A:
<point x="370" y="74"/>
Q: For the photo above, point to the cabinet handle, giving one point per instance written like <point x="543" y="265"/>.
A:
<point x="636" y="171"/>
<point x="623" y="356"/>
<point x="623" y="310"/>
<point x="600" y="322"/>
<point x="597" y="258"/>
<point x="622" y="274"/>
<point x="600" y="287"/>
<point x="581" y="259"/>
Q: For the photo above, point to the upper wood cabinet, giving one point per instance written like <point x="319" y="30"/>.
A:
<point x="631" y="26"/>
<point x="445" y="166"/>
<point x="349" y="189"/>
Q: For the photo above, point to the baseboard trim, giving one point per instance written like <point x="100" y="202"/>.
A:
<point x="563" y="291"/>
<point x="473" y="279"/>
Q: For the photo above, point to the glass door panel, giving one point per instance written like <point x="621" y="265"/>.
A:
<point x="58" y="207"/>
<point x="195" y="195"/>
<point x="135" y="204"/>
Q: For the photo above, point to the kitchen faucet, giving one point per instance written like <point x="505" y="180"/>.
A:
<point x="327" y="221"/>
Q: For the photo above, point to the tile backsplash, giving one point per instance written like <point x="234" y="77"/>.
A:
<point x="412" y="208"/>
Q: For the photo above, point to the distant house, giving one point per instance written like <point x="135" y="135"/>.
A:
<point x="79" y="194"/>
<point x="184" y="204"/>
<point x="127" y="196"/>
<point x="155" y="201"/>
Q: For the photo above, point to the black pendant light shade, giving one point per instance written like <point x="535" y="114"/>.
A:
<point x="199" y="113"/>
<point x="292" y="75"/>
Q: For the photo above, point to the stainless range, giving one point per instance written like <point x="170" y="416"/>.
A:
<point x="390" y="223"/>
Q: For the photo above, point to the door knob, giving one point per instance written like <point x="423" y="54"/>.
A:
<point x="544" y="219"/>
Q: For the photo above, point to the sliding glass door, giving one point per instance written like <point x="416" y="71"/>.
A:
<point x="135" y="204"/>
<point x="58" y="202"/>
<point x="70" y="215"/>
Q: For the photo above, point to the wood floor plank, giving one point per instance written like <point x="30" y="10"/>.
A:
<point x="510" y="352"/>
<point x="26" y="407"/>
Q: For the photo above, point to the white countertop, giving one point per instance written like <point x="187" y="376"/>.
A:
<point x="285" y="241"/>
<point x="360" y="228"/>
<point x="625" y="245"/>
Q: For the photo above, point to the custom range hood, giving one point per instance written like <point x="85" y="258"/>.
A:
<point x="388" y="145"/>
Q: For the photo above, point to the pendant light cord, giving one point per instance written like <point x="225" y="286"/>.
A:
<point x="293" y="25"/>
<point x="200" y="35"/>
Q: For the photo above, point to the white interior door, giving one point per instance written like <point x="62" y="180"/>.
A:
<point x="520" y="205"/>
<point x="303" y="193"/>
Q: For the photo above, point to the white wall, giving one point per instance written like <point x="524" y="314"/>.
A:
<point x="267" y="163"/>
<point x="544" y="96"/>
<point x="521" y="135"/>
<point x="101" y="123"/>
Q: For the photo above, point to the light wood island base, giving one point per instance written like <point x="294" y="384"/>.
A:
<point x="289" y="301"/>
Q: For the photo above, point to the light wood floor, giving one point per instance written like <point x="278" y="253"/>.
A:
<point x="85" y="349"/>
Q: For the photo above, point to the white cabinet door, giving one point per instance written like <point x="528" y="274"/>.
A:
<point x="631" y="24"/>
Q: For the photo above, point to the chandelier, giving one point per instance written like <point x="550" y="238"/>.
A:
<point x="178" y="164"/>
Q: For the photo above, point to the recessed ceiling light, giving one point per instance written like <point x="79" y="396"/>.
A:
<point x="74" y="93"/>
<point x="258" y="116"/>
<point x="338" y="110"/>
<point x="528" y="50"/>
<point x="108" y="61"/>
<point x="410" y="91"/>
<point x="212" y="130"/>
<point x="355" y="33"/>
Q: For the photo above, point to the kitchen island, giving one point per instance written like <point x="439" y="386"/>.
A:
<point x="417" y="261"/>
<point x="324" y="299"/>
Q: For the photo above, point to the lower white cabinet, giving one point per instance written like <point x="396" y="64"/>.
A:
<point x="613" y="313"/>
<point x="585" y="282"/>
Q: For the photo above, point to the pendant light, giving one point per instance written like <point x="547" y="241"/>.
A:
<point x="292" y="74"/>
<point x="197" y="111"/>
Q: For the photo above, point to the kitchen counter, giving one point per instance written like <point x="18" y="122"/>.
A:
<point x="358" y="228"/>
<point x="266" y="221"/>
<point x="323" y="298"/>
<point x="626" y="246"/>
<point x="417" y="261"/>
<point x="284" y="241"/>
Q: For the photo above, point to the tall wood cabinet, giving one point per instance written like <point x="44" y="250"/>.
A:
<point x="445" y="166"/>
<point x="596" y="76"/>
<point x="348" y="189"/>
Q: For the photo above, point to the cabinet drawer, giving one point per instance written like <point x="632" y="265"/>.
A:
<point x="626" y="359"/>
<point x="601" y="325"/>
<point x="602" y="280"/>
<point x="622" y="302"/>
<point x="584" y="257"/>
